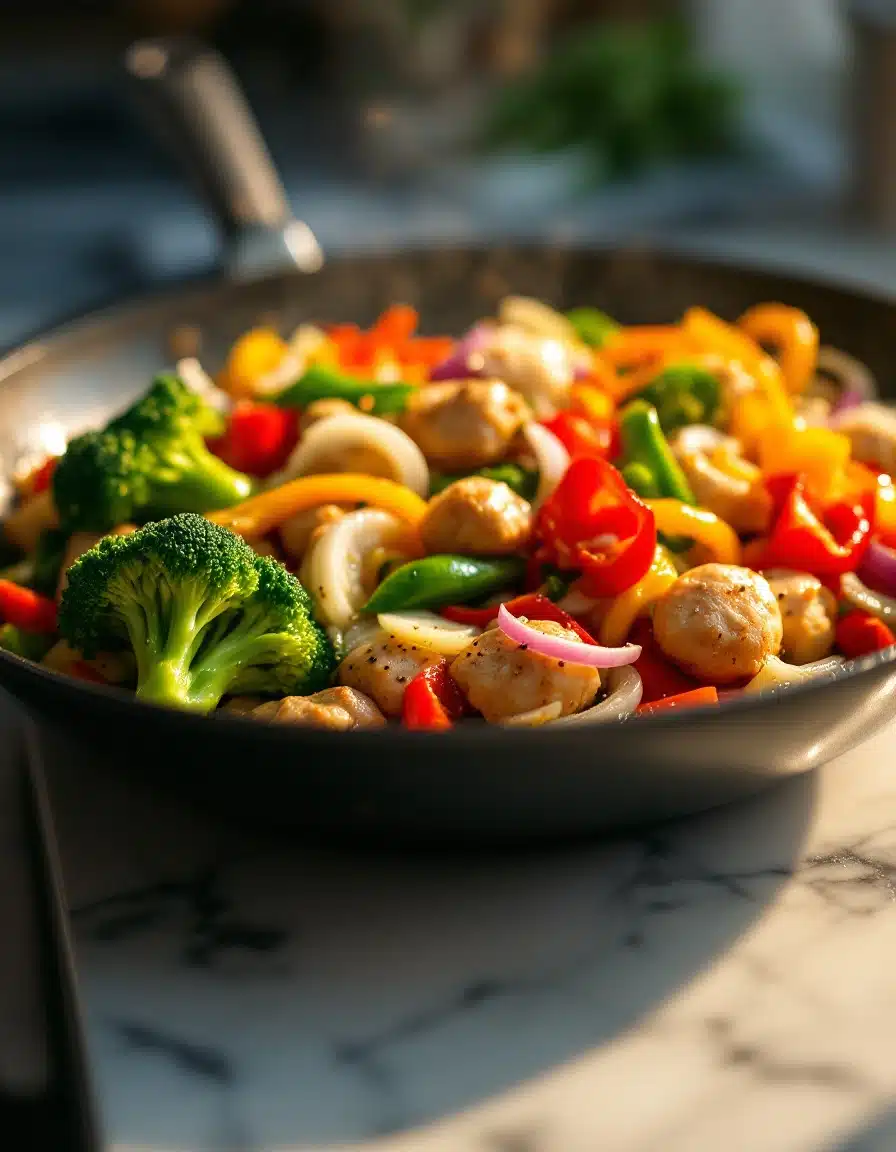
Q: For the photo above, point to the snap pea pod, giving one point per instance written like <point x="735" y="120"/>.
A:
<point x="321" y="383"/>
<point x="644" y="444"/>
<point x="523" y="481"/>
<point x="683" y="394"/>
<point x="435" y="580"/>
<point x="592" y="326"/>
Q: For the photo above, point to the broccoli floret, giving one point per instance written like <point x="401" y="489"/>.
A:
<point x="151" y="461"/>
<point x="204" y="614"/>
<point x="169" y="403"/>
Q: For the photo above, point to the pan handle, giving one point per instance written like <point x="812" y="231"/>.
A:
<point x="197" y="106"/>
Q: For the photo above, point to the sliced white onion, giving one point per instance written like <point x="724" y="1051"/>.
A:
<point x="776" y="673"/>
<point x="703" y="438"/>
<point x="364" y="630"/>
<point x="198" y="380"/>
<point x="625" y="691"/>
<point x="861" y="596"/>
<point x="534" y="718"/>
<point x="427" y="630"/>
<point x="334" y="565"/>
<point x="351" y="432"/>
<point x="551" y="458"/>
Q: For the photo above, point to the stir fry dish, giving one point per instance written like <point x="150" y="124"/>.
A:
<point x="552" y="519"/>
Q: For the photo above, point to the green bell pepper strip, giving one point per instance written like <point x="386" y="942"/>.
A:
<point x="641" y="480"/>
<point x="683" y="394"/>
<point x="523" y="481"/>
<point x="436" y="580"/>
<point x="592" y="326"/>
<point x="31" y="645"/>
<point x="320" y="383"/>
<point x="643" y="443"/>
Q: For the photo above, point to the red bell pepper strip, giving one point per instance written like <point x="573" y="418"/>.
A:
<point x="40" y="480"/>
<point x="594" y="524"/>
<point x="26" y="609"/>
<point x="259" y="438"/>
<point x="659" y="676"/>
<point x="826" y="542"/>
<point x="696" y="697"/>
<point x="395" y="326"/>
<point x="533" y="606"/>
<point x="581" y="437"/>
<point x="859" y="633"/>
<point x="432" y="701"/>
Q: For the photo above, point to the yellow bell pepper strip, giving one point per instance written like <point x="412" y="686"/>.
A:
<point x="256" y="353"/>
<point x="818" y="454"/>
<point x="593" y="403"/>
<point x="261" y="514"/>
<point x="676" y="519"/>
<point x="710" y="333"/>
<point x="793" y="337"/>
<point x="625" y="609"/>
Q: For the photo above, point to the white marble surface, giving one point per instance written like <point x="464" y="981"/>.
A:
<point x="722" y="983"/>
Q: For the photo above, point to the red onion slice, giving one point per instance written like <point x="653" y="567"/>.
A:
<point x="457" y="366"/>
<point x="559" y="648"/>
<point x="878" y="568"/>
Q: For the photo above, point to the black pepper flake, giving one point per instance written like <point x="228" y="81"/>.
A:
<point x="561" y="663"/>
<point x="522" y="647"/>
<point x="475" y="643"/>
<point x="401" y="679"/>
<point x="386" y="667"/>
<point x="371" y="659"/>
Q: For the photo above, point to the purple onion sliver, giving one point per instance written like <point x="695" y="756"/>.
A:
<point x="456" y="366"/>
<point x="878" y="568"/>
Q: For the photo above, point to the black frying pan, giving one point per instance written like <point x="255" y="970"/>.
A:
<point x="480" y="783"/>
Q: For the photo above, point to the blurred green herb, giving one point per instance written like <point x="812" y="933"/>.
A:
<point x="625" y="95"/>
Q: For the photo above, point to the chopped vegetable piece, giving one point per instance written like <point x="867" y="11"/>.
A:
<point x="683" y="394"/>
<point x="322" y="383"/>
<point x="532" y="605"/>
<point x="659" y="677"/>
<point x="432" y="700"/>
<point x="592" y="326"/>
<point x="858" y="634"/>
<point x="676" y="520"/>
<point x="582" y="437"/>
<point x="826" y="542"/>
<point x="643" y="443"/>
<point x="256" y="353"/>
<point x="692" y="699"/>
<point x="258" y="439"/>
<point x="595" y="525"/>
<point x="204" y="615"/>
<point x="261" y="514"/>
<point x="559" y="648"/>
<point x="791" y="336"/>
<point x="26" y="609"/>
<point x="435" y="580"/>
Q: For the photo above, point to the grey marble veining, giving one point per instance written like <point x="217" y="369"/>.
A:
<point x="723" y="982"/>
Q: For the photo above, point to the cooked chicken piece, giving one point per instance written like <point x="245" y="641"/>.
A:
<point x="242" y="705"/>
<point x="264" y="547"/>
<point x="719" y="622"/>
<point x="742" y="500"/>
<point x="500" y="678"/>
<point x="465" y="424"/>
<point x="871" y="429"/>
<point x="808" y="613"/>
<point x="81" y="542"/>
<point x="25" y="524"/>
<point x="299" y="532"/>
<point x="383" y="669"/>
<point x="476" y="515"/>
<point x="541" y="370"/>
<point x="324" y="409"/>
<point x="336" y="709"/>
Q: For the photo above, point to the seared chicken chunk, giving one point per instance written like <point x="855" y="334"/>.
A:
<point x="742" y="500"/>
<point x="719" y="622"/>
<point x="476" y="515"/>
<point x="808" y="614"/>
<point x="335" y="709"/>
<point x="502" y="678"/>
<point x="541" y="370"/>
<point x="383" y="669"/>
<point x="465" y="424"/>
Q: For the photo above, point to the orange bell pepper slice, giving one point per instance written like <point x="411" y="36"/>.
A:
<point x="793" y="336"/>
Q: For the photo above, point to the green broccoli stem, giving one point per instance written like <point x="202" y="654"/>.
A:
<point x="198" y="481"/>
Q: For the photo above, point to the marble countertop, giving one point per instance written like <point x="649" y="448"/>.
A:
<point x="722" y="982"/>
